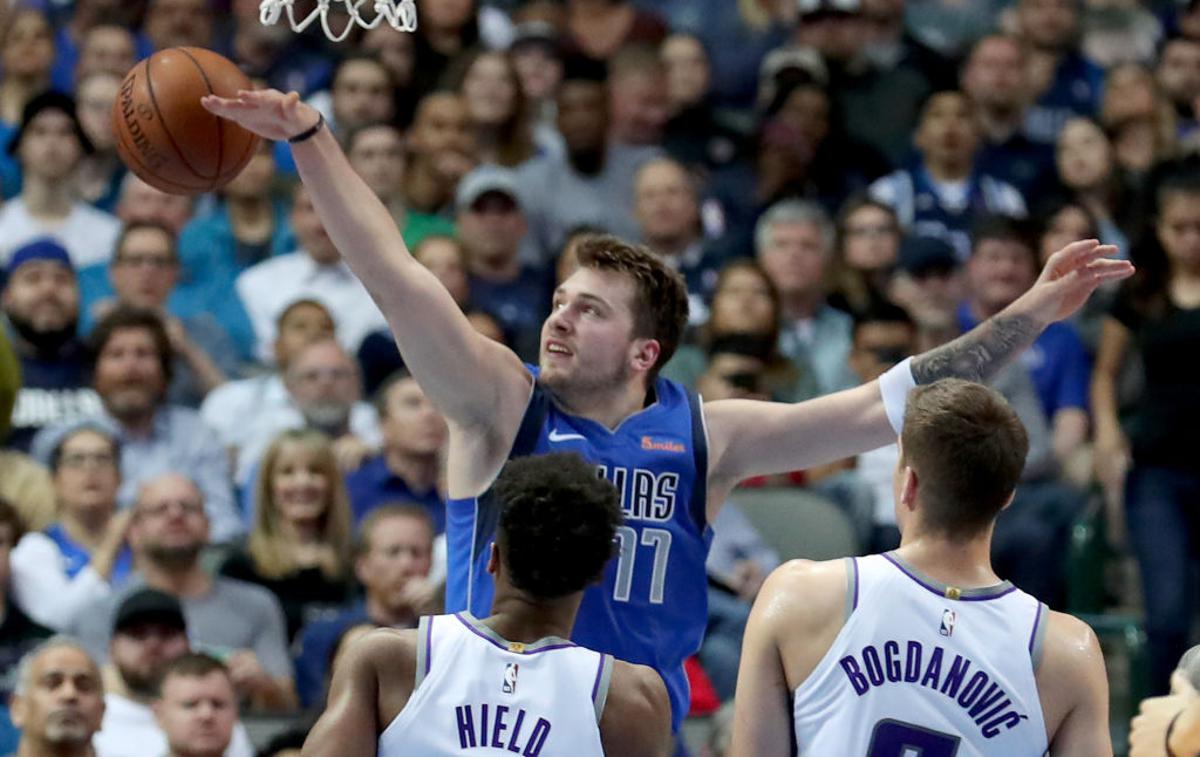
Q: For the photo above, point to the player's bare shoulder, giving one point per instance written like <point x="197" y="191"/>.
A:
<point x="388" y="655"/>
<point x="637" y="714"/>
<point x="807" y="592"/>
<point x="1071" y="680"/>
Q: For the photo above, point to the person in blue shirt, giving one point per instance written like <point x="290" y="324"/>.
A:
<point x="407" y="470"/>
<point x="596" y="392"/>
<point x="1065" y="83"/>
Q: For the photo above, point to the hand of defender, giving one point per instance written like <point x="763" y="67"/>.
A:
<point x="1071" y="276"/>
<point x="267" y="112"/>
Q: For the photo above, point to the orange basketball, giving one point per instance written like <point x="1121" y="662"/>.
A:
<point x="163" y="133"/>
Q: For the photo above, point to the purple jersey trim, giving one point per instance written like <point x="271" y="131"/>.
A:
<point x="600" y="674"/>
<point x="854" y="566"/>
<point x="428" y="645"/>
<point x="471" y="627"/>
<point x="986" y="594"/>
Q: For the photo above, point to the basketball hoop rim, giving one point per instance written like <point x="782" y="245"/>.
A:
<point x="401" y="15"/>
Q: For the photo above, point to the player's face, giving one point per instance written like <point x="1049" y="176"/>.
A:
<point x="64" y="701"/>
<point x="300" y="487"/>
<point x="145" y="270"/>
<point x="588" y="342"/>
<point x="43" y="294"/>
<point x="197" y="713"/>
<point x="129" y="377"/>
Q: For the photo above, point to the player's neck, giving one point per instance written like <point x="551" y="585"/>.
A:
<point x="516" y="617"/>
<point x="609" y="409"/>
<point x="966" y="564"/>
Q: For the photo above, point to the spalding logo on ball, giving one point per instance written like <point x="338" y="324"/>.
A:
<point x="166" y="136"/>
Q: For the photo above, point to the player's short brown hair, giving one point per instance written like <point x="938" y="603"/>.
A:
<point x="967" y="447"/>
<point x="660" y="305"/>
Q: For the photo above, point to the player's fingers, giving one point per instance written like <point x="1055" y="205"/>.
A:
<point x="1108" y="270"/>
<point x="1064" y="259"/>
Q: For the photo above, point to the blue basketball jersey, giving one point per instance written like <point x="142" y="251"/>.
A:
<point x="652" y="606"/>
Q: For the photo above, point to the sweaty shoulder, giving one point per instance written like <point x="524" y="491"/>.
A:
<point x="637" y="715"/>
<point x="802" y="606"/>
<point x="1070" y="674"/>
<point x="391" y="655"/>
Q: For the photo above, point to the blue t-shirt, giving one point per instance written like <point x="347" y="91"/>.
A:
<point x="652" y="606"/>
<point x="76" y="558"/>
<point x="373" y="485"/>
<point x="1057" y="362"/>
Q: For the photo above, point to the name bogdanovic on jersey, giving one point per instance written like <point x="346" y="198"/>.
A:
<point x="920" y="667"/>
<point x="983" y="699"/>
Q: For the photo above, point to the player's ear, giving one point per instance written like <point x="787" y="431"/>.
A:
<point x="908" y="487"/>
<point x="493" y="564"/>
<point x="646" y="352"/>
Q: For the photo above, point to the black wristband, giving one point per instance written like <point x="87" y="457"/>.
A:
<point x="1170" y="730"/>
<point x="308" y="133"/>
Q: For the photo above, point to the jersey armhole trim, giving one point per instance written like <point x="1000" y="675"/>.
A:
<point x="851" y="586"/>
<point x="1038" y="637"/>
<point x="699" y="503"/>
<point x="424" y="648"/>
<point x="600" y="687"/>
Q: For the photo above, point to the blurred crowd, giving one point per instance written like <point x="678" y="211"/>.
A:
<point x="215" y="452"/>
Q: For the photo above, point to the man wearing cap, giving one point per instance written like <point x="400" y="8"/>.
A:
<point x="148" y="634"/>
<point x="41" y="302"/>
<point x="50" y="145"/>
<point x="491" y="226"/>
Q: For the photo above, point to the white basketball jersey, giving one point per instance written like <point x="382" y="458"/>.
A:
<point x="921" y="668"/>
<point x="477" y="693"/>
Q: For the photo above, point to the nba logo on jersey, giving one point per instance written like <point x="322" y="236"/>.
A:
<point x="510" y="678"/>
<point x="947" y="628"/>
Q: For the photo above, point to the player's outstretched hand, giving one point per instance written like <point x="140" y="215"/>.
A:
<point x="1070" y="277"/>
<point x="267" y="112"/>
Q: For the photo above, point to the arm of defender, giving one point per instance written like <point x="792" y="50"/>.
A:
<point x="637" y="716"/>
<point x="749" y="438"/>
<point x="1072" y="676"/>
<point x="467" y="375"/>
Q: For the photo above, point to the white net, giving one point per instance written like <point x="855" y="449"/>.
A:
<point x="399" y="14"/>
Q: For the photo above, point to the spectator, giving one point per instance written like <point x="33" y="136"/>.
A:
<point x="299" y="545"/>
<point x="74" y="38"/>
<point x="537" y="56"/>
<point x="274" y="55"/>
<point x="58" y="702"/>
<point x="144" y="272"/>
<point x="446" y="30"/>
<point x="132" y="370"/>
<point x="1140" y="119"/>
<point x="1003" y="265"/>
<point x="441" y="150"/>
<point x="239" y="622"/>
<point x="18" y="634"/>
<point x="794" y="241"/>
<point x="100" y="174"/>
<point x="600" y="28"/>
<point x="376" y="151"/>
<point x="361" y="94"/>
<point x="141" y="202"/>
<point x="446" y="259"/>
<point x="149" y="636"/>
<point x="1063" y="222"/>
<point x="996" y="78"/>
<point x="107" y="47"/>
<point x="179" y="23"/>
<point x="1178" y="74"/>
<point x="943" y="190"/>
<point x="667" y="208"/>
<point x="592" y="183"/>
<point x="637" y="84"/>
<point x="696" y="133"/>
<point x="41" y="304"/>
<point x="1064" y="83"/>
<point x="28" y="50"/>
<point x="50" y="146"/>
<point x="492" y="225"/>
<point x="499" y="112"/>
<point x="1154" y="318"/>
<point x="197" y="707"/>
<point x="315" y="271"/>
<point x="868" y="246"/>
<point x="397" y="53"/>
<point x="57" y="572"/>
<point x="929" y="286"/>
<point x="1088" y="171"/>
<point x="409" y="467"/>
<point x="393" y="557"/>
<point x="324" y="393"/>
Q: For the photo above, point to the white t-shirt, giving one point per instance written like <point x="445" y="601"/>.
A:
<point x="88" y="234"/>
<point x="129" y="730"/>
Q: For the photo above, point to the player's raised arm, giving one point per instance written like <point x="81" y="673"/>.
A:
<point x="750" y="438"/>
<point x="468" y="376"/>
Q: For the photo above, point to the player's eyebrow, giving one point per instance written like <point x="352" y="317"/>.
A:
<point x="559" y="292"/>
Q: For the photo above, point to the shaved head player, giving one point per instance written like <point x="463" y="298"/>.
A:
<point x="596" y="391"/>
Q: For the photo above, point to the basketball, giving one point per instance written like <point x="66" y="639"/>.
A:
<point x="166" y="137"/>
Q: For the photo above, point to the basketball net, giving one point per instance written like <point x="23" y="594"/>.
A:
<point x="400" y="14"/>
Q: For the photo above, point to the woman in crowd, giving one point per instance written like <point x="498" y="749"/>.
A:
<point x="299" y="547"/>
<point x="868" y="246"/>
<point x="63" y="569"/>
<point x="498" y="108"/>
<point x="1089" y="174"/>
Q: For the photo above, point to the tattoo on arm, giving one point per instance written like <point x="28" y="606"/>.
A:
<point x="979" y="354"/>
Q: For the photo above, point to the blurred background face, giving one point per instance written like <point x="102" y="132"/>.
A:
<point x="806" y="112"/>
<point x="688" y="74"/>
<point x="169" y="525"/>
<point x="1179" y="230"/>
<point x="492" y="228"/>
<point x="88" y="474"/>
<point x="411" y="424"/>
<point x="395" y="50"/>
<point x="743" y="303"/>
<point x="362" y="94"/>
<point x="64" y="700"/>
<point x="94" y="101"/>
<point x="179" y="23"/>
<point x="141" y="652"/>
<point x="870" y="239"/>
<point x="1069" y="224"/>
<point x="995" y="76"/>
<point x="106" y="48"/>
<point x="879" y="345"/>
<point x="583" y="116"/>
<point x="445" y="260"/>
<point x="640" y="106"/>
<point x="142" y="202"/>
<point x="1048" y="24"/>
<point x="441" y="134"/>
<point x="794" y="257"/>
<point x="1084" y="155"/>
<point x="377" y="155"/>
<point x="254" y="181"/>
<point x="28" y="45"/>
<point x="947" y="131"/>
<point x="665" y="202"/>
<point x="43" y="295"/>
<point x="1179" y="71"/>
<point x="49" y="149"/>
<point x="323" y="382"/>
<point x="445" y="15"/>
<point x="145" y="270"/>
<point x="301" y="326"/>
<point x="999" y="271"/>
<point x="538" y="69"/>
<point x="732" y="376"/>
<point x="197" y="713"/>
<point x="300" y="487"/>
<point x="490" y="88"/>
<point x="129" y="375"/>
<point x="310" y="232"/>
<point x="400" y="548"/>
